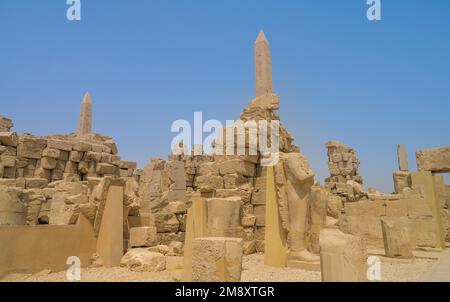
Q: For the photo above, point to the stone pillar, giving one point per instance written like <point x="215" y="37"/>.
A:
<point x="263" y="65"/>
<point x="397" y="241"/>
<point x="224" y="216"/>
<point x="402" y="158"/>
<point x="275" y="249"/>
<point x="196" y="227"/>
<point x="217" y="259"/>
<point x="110" y="235"/>
<point x="85" y="122"/>
<point x="426" y="181"/>
<point x="343" y="257"/>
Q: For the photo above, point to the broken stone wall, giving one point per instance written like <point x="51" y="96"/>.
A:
<point x="363" y="218"/>
<point x="345" y="180"/>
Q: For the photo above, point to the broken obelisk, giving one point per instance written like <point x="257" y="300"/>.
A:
<point x="85" y="122"/>
<point x="263" y="66"/>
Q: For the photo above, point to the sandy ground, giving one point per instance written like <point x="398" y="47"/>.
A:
<point x="253" y="271"/>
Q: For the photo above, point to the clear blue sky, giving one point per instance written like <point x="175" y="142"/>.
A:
<point x="370" y="85"/>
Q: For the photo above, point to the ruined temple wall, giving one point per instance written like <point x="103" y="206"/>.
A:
<point x="363" y="218"/>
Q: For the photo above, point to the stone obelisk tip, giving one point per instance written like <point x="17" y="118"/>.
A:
<point x="87" y="98"/>
<point x="261" y="37"/>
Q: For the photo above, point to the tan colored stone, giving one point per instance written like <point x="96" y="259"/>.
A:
<point x="397" y="240"/>
<point x="9" y="139"/>
<point x="237" y="166"/>
<point x="217" y="259"/>
<point x="223" y="216"/>
<point x="434" y="160"/>
<point x="143" y="237"/>
<point x="142" y="260"/>
<point x="343" y="257"/>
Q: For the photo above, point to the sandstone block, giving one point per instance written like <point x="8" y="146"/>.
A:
<point x="13" y="206"/>
<point x="232" y="181"/>
<point x="396" y="237"/>
<point x="82" y="146"/>
<point x="8" y="161"/>
<point x="143" y="237"/>
<point x="237" y="166"/>
<point x="217" y="259"/>
<point x="223" y="216"/>
<point x="30" y="147"/>
<point x="434" y="160"/>
<point x="343" y="257"/>
<point x="208" y="183"/>
<point x="48" y="163"/>
<point x="166" y="223"/>
<point x="51" y="153"/>
<point x="36" y="183"/>
<point x="142" y="260"/>
<point x="60" y="145"/>
<point x="103" y="168"/>
<point x="9" y="139"/>
<point x="76" y="156"/>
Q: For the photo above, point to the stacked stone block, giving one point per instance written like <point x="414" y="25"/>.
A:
<point x="345" y="180"/>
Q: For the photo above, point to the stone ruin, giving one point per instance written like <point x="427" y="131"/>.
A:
<point x="213" y="208"/>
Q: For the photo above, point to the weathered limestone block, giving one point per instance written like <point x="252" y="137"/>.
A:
<point x="92" y="156"/>
<point x="5" y="124"/>
<point x="343" y="257"/>
<point x="166" y="223"/>
<point x="217" y="259"/>
<point x="401" y="181"/>
<point x="177" y="207"/>
<point x="208" y="168"/>
<point x="31" y="147"/>
<point x="232" y="181"/>
<point x="36" y="183"/>
<point x="223" y="216"/>
<point x="244" y="192"/>
<point x="248" y="221"/>
<point x="76" y="156"/>
<point x="434" y="160"/>
<point x="142" y="260"/>
<point x="396" y="236"/>
<point x="237" y="166"/>
<point x="175" y="248"/>
<point x="143" y="237"/>
<point x="48" y="163"/>
<point x="13" y="206"/>
<point x="34" y="207"/>
<point x="9" y="172"/>
<point x="9" y="139"/>
<point x="60" y="145"/>
<point x="103" y="168"/>
<point x="112" y="146"/>
<point x="82" y="146"/>
<point x="208" y="183"/>
<point x="52" y="153"/>
<point x="8" y="161"/>
<point x="127" y="165"/>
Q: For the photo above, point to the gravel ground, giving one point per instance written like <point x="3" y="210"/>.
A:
<point x="253" y="271"/>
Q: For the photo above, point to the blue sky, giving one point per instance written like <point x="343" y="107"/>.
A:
<point x="370" y="85"/>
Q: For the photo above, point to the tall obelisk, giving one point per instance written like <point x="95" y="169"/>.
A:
<point x="85" y="122"/>
<point x="263" y="66"/>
